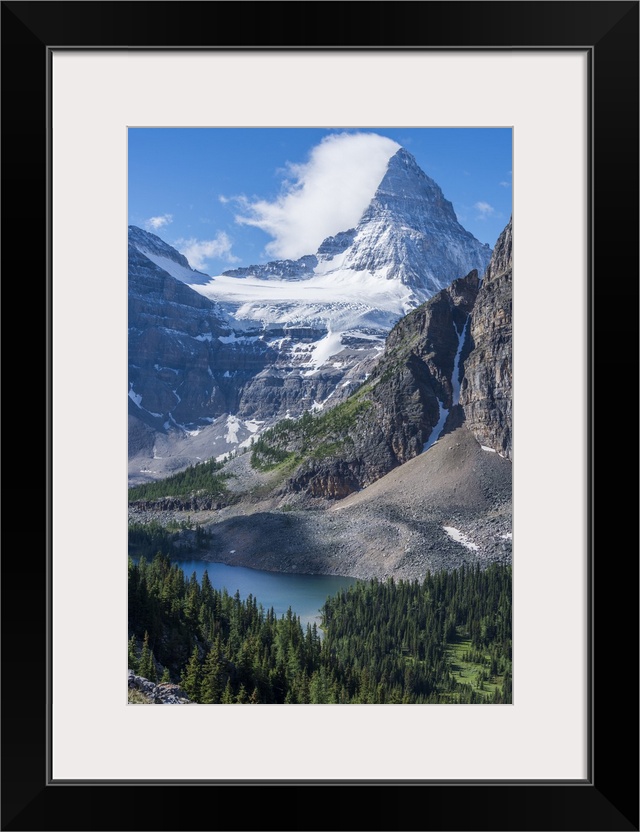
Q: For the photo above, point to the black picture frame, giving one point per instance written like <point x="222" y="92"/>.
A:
<point x="608" y="798"/>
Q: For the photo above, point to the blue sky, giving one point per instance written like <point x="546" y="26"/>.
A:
<point x="228" y="197"/>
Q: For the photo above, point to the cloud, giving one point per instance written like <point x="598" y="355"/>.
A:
<point x="198" y="252"/>
<point x="505" y="184"/>
<point x="154" y="223"/>
<point x="484" y="210"/>
<point x="326" y="194"/>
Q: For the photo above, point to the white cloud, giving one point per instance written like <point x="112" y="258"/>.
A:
<point x="505" y="184"/>
<point x="323" y="196"/>
<point x="198" y="252"/>
<point x="154" y="223"/>
<point x="484" y="210"/>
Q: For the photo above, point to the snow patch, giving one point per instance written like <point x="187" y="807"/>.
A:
<point x="238" y="339"/>
<point x="506" y="536"/>
<point x="233" y="425"/>
<point x="323" y="349"/>
<point x="435" y="433"/>
<point x="136" y="398"/>
<point x="455" y="376"/>
<point x="459" y="537"/>
<point x="489" y="450"/>
<point x="181" y="273"/>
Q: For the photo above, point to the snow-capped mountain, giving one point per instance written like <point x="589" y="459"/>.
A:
<point x="408" y="234"/>
<point x="286" y="336"/>
<point x="407" y="246"/>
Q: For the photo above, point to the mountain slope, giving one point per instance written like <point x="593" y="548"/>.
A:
<point x="392" y="417"/>
<point x="448" y="507"/>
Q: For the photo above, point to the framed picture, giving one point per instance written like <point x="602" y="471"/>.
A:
<point x="564" y="78"/>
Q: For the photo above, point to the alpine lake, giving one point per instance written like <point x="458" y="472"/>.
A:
<point x="305" y="594"/>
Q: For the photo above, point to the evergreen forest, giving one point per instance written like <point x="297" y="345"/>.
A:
<point x="202" y="478"/>
<point x="446" y="639"/>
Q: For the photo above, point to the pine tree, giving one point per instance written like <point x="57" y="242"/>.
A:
<point x="133" y="658"/>
<point x="166" y="678"/>
<point x="211" y="684"/>
<point x="190" y="681"/>
<point x="147" y="665"/>
<point x="227" y="696"/>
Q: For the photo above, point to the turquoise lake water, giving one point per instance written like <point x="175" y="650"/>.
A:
<point x="305" y="594"/>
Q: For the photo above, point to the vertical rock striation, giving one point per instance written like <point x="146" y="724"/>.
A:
<point x="486" y="390"/>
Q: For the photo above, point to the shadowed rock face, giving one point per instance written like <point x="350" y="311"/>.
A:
<point x="486" y="390"/>
<point x="179" y="369"/>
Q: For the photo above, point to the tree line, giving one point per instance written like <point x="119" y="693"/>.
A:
<point x="202" y="478"/>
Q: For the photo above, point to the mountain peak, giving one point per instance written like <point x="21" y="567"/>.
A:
<point x="405" y="181"/>
<point x="411" y="231"/>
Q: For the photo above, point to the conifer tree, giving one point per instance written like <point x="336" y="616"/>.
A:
<point x="211" y="684"/>
<point x="133" y="658"/>
<point x="147" y="665"/>
<point x="227" y="696"/>
<point x="190" y="681"/>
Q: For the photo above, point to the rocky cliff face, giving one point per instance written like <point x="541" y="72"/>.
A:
<point x="180" y="353"/>
<point x="486" y="391"/>
<point x="397" y="413"/>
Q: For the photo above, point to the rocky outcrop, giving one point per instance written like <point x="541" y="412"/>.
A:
<point x="164" y="693"/>
<point x="282" y="269"/>
<point x="486" y="390"/>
